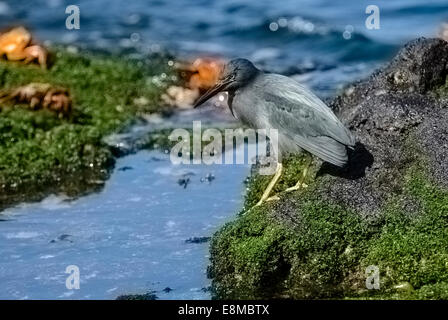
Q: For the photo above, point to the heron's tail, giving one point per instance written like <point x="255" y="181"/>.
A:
<point x="325" y="148"/>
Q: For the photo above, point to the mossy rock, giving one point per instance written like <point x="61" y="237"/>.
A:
<point x="150" y="295"/>
<point x="41" y="153"/>
<point x="388" y="210"/>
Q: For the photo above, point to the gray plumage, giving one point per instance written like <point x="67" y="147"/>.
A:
<point x="265" y="100"/>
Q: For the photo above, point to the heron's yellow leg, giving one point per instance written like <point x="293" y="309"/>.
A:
<point x="301" y="183"/>
<point x="271" y="185"/>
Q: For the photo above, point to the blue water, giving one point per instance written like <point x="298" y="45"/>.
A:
<point x="130" y="237"/>
<point x="308" y="41"/>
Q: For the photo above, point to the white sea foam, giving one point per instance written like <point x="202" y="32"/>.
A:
<point x="22" y="235"/>
<point x="55" y="202"/>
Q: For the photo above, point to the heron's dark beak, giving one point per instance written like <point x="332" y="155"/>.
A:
<point x="220" y="86"/>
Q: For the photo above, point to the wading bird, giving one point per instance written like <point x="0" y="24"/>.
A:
<point x="272" y="101"/>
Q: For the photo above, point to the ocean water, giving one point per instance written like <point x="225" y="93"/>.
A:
<point x="324" y="43"/>
<point x="130" y="237"/>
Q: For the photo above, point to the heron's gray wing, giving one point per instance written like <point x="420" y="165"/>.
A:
<point x="298" y="113"/>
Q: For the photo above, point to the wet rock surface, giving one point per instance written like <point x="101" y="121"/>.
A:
<point x="197" y="240"/>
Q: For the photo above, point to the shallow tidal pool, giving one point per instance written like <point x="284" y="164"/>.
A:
<point x="130" y="238"/>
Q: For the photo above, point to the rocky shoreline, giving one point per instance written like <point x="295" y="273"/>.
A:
<point x="389" y="210"/>
<point x="42" y="153"/>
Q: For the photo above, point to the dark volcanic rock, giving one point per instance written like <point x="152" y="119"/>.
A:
<point x="389" y="112"/>
<point x="433" y="135"/>
<point x="197" y="240"/>
<point x="150" y="295"/>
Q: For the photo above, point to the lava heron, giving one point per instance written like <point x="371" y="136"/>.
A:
<point x="272" y="101"/>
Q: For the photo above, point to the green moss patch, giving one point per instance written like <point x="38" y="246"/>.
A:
<point x="414" y="250"/>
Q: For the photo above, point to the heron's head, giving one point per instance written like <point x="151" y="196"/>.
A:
<point x="235" y="74"/>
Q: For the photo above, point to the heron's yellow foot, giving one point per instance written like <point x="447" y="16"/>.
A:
<point x="298" y="186"/>
<point x="273" y="198"/>
<point x="271" y="185"/>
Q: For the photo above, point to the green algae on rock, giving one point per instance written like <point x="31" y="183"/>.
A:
<point x="40" y="153"/>
<point x="392" y="213"/>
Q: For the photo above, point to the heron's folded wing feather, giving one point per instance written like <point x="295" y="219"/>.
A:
<point x="307" y="137"/>
<point x="325" y="148"/>
<point x="294" y="108"/>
